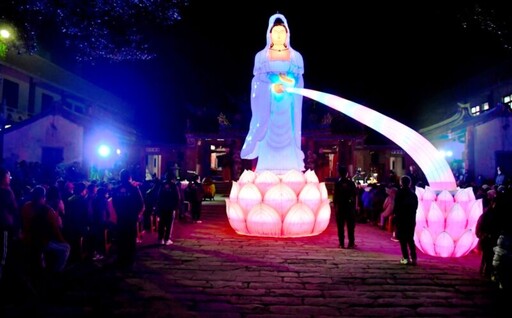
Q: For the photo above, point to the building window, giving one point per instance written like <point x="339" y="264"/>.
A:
<point x="76" y="106"/>
<point x="476" y="110"/>
<point x="11" y="93"/>
<point x="508" y="100"/>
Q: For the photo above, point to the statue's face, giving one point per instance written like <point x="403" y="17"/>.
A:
<point x="278" y="35"/>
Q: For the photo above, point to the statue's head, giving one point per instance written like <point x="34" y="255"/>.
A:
<point x="278" y="31"/>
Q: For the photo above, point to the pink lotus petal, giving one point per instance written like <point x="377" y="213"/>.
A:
<point x="323" y="191"/>
<point x="465" y="244"/>
<point x="310" y="196"/>
<point x="435" y="220"/>
<point x="444" y="245"/>
<point x="427" y="242"/>
<point x="295" y="180"/>
<point x="419" y="193"/>
<point x="456" y="222"/>
<point x="236" y="217"/>
<point x="299" y="221"/>
<point x="421" y="218"/>
<point x="464" y="197"/>
<point x="311" y="176"/>
<point x="475" y="210"/>
<point x="265" y="181"/>
<point x="263" y="220"/>
<point x="445" y="201"/>
<point x="429" y="196"/>
<point x="249" y="196"/>
<point x="248" y="176"/>
<point x="235" y="189"/>
<point x="280" y="197"/>
<point x="322" y="218"/>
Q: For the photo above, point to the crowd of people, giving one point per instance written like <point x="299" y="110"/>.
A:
<point x="52" y="226"/>
<point x="49" y="227"/>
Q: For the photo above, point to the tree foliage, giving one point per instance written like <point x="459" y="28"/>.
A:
<point x="492" y="19"/>
<point x="113" y="30"/>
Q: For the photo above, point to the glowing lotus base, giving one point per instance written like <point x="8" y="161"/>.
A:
<point x="446" y="223"/>
<point x="295" y="204"/>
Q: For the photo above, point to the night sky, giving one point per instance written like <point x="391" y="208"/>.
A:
<point x="387" y="56"/>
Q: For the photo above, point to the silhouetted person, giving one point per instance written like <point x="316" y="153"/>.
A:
<point x="150" y="199"/>
<point x="8" y="217"/>
<point x="406" y="204"/>
<point x="194" y="195"/>
<point x="500" y="177"/>
<point x="128" y="204"/>
<point x="344" y="200"/>
<point x="99" y="222"/>
<point x="42" y="234"/>
<point x="167" y="204"/>
<point x="76" y="221"/>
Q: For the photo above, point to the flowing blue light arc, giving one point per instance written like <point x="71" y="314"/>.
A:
<point x="429" y="159"/>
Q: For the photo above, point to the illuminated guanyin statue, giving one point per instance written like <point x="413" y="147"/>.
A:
<point x="275" y="130"/>
<point x="277" y="199"/>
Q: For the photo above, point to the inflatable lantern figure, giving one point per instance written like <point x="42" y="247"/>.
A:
<point x="277" y="199"/>
<point x="446" y="221"/>
<point x="280" y="201"/>
<point x="446" y="216"/>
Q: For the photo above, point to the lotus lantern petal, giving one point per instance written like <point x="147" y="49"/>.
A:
<point x="265" y="181"/>
<point x="295" y="180"/>
<point x="235" y="188"/>
<point x="263" y="220"/>
<point x="300" y="219"/>
<point x="249" y="196"/>
<point x="280" y="197"/>
<point x="247" y="176"/>
<point x="311" y="176"/>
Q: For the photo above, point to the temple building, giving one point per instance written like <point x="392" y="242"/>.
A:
<point x="58" y="119"/>
<point x="471" y="123"/>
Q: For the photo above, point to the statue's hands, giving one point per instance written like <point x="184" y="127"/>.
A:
<point x="284" y="78"/>
<point x="287" y="80"/>
<point x="281" y="82"/>
<point x="278" y="88"/>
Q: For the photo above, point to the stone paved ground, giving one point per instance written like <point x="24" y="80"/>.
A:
<point x="210" y="271"/>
